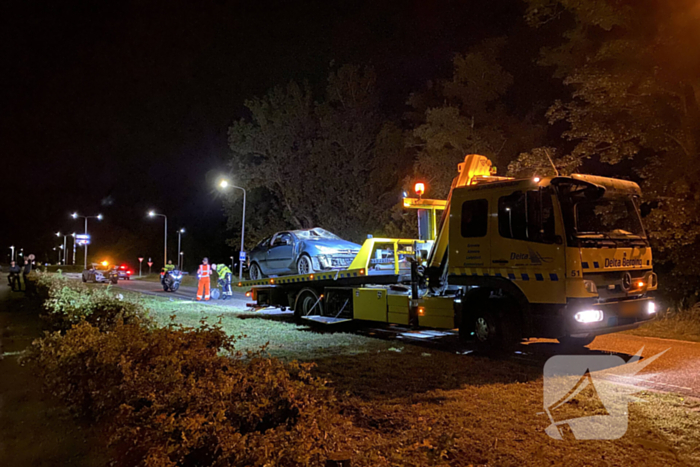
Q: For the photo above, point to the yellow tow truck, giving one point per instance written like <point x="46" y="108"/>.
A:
<point x="500" y="259"/>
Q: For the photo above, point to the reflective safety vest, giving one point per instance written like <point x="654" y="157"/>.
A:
<point x="223" y="270"/>
<point x="204" y="270"/>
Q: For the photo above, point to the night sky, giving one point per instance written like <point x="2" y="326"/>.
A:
<point x="120" y="107"/>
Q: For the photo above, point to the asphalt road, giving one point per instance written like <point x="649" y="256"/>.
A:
<point x="184" y="293"/>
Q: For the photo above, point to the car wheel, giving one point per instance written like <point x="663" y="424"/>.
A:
<point x="255" y="272"/>
<point x="305" y="265"/>
<point x="575" y="342"/>
<point x="307" y="303"/>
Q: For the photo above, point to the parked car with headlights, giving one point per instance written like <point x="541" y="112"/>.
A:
<point x="301" y="252"/>
<point x="94" y="274"/>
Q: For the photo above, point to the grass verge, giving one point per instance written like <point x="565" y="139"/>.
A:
<point x="683" y="324"/>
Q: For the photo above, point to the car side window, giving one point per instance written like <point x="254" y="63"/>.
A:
<point x="283" y="239"/>
<point x="527" y="216"/>
<point x="475" y="218"/>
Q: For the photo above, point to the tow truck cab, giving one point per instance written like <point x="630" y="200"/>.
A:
<point x="567" y="256"/>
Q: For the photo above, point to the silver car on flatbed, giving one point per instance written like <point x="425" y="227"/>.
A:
<point x="301" y="252"/>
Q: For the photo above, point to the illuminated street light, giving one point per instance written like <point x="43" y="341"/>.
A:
<point x="65" y="247"/>
<point x="179" y="250"/>
<point x="224" y="184"/>
<point x="152" y="213"/>
<point x="13" y="252"/>
<point x="75" y="215"/>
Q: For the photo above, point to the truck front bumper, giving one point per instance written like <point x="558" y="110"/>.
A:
<point x="614" y="316"/>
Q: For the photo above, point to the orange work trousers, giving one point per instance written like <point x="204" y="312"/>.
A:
<point x="203" y="288"/>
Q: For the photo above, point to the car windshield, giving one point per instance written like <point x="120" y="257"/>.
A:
<point x="316" y="233"/>
<point x="603" y="218"/>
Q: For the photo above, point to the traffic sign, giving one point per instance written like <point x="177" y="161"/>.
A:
<point x="241" y="256"/>
<point x="140" y="259"/>
<point x="150" y="263"/>
<point x="82" y="239"/>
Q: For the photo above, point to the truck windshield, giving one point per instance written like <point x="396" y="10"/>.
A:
<point x="602" y="219"/>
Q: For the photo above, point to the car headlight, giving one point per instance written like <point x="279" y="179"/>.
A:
<point x="325" y="250"/>
<point x="589" y="316"/>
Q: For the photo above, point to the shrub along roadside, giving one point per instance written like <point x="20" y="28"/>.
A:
<point x="170" y="396"/>
<point x="68" y="302"/>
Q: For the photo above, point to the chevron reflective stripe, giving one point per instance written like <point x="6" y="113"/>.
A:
<point x="511" y="274"/>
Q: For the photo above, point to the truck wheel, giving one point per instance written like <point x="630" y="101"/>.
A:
<point x="304" y="304"/>
<point x="494" y="326"/>
<point x="255" y="272"/>
<point x="575" y="342"/>
<point x="305" y="265"/>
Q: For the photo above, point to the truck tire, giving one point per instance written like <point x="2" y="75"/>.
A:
<point x="305" y="265"/>
<point x="494" y="324"/>
<point x="255" y="272"/>
<point x="304" y="303"/>
<point x="575" y="342"/>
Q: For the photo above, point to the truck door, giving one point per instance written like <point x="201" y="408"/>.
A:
<point x="281" y="253"/>
<point x="527" y="245"/>
<point x="470" y="247"/>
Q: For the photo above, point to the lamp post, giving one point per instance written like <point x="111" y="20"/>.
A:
<point x="225" y="184"/>
<point x="73" y="235"/>
<point x="13" y="252"/>
<point x="165" y="241"/>
<point x="179" y="250"/>
<point x="182" y="260"/>
<point x="232" y="262"/>
<point x="75" y="215"/>
<point x="64" y="247"/>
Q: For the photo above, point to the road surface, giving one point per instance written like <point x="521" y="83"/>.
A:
<point x="184" y="293"/>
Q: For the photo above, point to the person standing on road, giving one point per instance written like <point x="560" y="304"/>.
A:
<point x="204" y="285"/>
<point x="26" y="271"/>
<point x="225" y="276"/>
<point x="13" y="277"/>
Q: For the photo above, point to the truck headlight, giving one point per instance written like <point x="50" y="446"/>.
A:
<point x="651" y="308"/>
<point x="589" y="316"/>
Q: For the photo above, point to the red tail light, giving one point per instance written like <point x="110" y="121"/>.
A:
<point x="128" y="272"/>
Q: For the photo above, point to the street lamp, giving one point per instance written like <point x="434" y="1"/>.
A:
<point x="73" y="235"/>
<point x="65" y="246"/>
<point x="225" y="184"/>
<point x="13" y="252"/>
<point x="165" y="243"/>
<point x="179" y="250"/>
<point x="75" y="215"/>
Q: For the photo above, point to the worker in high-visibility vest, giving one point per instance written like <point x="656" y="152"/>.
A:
<point x="203" y="274"/>
<point x="166" y="269"/>
<point x="225" y="276"/>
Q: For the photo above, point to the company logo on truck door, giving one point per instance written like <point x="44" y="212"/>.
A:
<point x="533" y="256"/>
